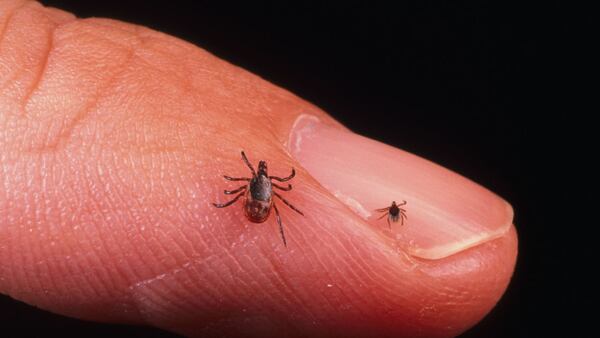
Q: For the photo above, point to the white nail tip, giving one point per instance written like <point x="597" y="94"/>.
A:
<point x="459" y="245"/>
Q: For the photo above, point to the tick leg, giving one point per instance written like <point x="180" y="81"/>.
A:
<point x="288" y="188"/>
<point x="388" y="219"/>
<point x="284" y="179"/>
<point x="383" y="209"/>
<point x="248" y="164"/>
<point x="230" y="202"/>
<point x="229" y="178"/>
<point x="288" y="203"/>
<point x="403" y="203"/>
<point x="403" y="215"/>
<point x="280" y="225"/>
<point x="231" y="192"/>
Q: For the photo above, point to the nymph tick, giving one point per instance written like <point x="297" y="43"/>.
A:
<point x="394" y="212"/>
<point x="258" y="194"/>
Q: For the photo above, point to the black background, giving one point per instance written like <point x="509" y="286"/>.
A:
<point x="481" y="88"/>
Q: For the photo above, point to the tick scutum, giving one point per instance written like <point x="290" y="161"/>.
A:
<point x="260" y="185"/>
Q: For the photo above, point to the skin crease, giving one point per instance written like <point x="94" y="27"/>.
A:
<point x="113" y="142"/>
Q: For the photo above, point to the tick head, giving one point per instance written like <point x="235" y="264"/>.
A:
<point x="262" y="168"/>
<point x="394" y="209"/>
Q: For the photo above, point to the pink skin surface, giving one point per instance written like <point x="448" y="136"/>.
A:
<point x="113" y="142"/>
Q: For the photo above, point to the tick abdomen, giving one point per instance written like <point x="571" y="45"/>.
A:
<point x="258" y="199"/>
<point x="257" y="211"/>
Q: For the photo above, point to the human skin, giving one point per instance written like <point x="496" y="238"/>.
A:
<point x="113" y="142"/>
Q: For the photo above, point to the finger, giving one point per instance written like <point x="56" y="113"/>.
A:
<point x="115" y="146"/>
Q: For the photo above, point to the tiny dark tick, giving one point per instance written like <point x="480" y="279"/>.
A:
<point x="394" y="212"/>
<point x="258" y="193"/>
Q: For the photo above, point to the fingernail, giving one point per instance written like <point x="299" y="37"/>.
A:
<point x="447" y="213"/>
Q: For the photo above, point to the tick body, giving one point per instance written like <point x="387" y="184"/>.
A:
<point x="394" y="213"/>
<point x="258" y="194"/>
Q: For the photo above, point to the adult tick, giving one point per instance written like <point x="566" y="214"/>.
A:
<point x="258" y="194"/>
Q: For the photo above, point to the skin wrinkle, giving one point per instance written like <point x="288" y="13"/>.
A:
<point x="143" y="34"/>
<point x="335" y="258"/>
<point x="23" y="252"/>
<point x="147" y="283"/>
<point x="78" y="246"/>
<point x="382" y="283"/>
<point x="8" y="19"/>
<point x="240" y="267"/>
<point x="357" y="295"/>
<point x="105" y="247"/>
<point x="368" y="279"/>
<point x="132" y="233"/>
<point x="328" y="307"/>
<point x="278" y="280"/>
<point x="199" y="274"/>
<point x="31" y="7"/>
<point x="230" y="293"/>
<point x="192" y="244"/>
<point x="52" y="145"/>
<point x="235" y="295"/>
<point x="181" y="291"/>
<point x="354" y="273"/>
<point x="19" y="256"/>
<point x="171" y="289"/>
<point x="178" y="270"/>
<point x="96" y="255"/>
<point x="362" y="265"/>
<point x="4" y="207"/>
<point x="43" y="215"/>
<point x="67" y="130"/>
<point x="176" y="291"/>
<point x="16" y="74"/>
<point x="380" y="280"/>
<point x="181" y="252"/>
<point x="150" y="224"/>
<point x="63" y="268"/>
<point x="357" y="258"/>
<point x="266" y="292"/>
<point x="103" y="240"/>
<point x="327" y="272"/>
<point x="138" y="205"/>
<point x="156" y="297"/>
<point x="218" y="278"/>
<point x="40" y="74"/>
<point x="194" y="305"/>
<point x="121" y="201"/>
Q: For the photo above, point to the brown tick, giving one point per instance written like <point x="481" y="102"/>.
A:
<point x="259" y="193"/>
<point x="394" y="212"/>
